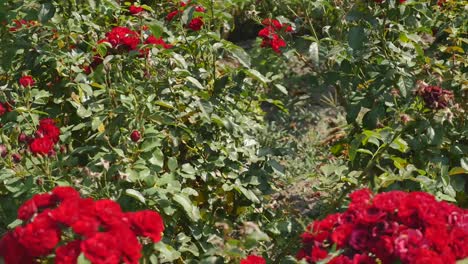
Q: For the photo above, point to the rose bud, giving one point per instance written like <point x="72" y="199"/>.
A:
<point x="135" y="136"/>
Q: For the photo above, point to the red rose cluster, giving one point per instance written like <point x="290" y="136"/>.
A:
<point x="20" y="23"/>
<point x="196" y="23"/>
<point x="123" y="37"/>
<point x="252" y="259"/>
<point x="434" y="96"/>
<point x="391" y="227"/>
<point x="64" y="223"/>
<point x="270" y="36"/>
<point x="46" y="136"/>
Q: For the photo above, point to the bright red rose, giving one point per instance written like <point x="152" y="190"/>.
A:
<point x="27" y="81"/>
<point x="41" y="146"/>
<point x="33" y="205"/>
<point x="68" y="254"/>
<point x="128" y="244"/>
<point x="133" y="9"/>
<point x="196" y="24"/>
<point x="360" y="198"/>
<point x="252" y="259"/>
<point x="122" y="36"/>
<point x="318" y="254"/>
<point x="3" y="109"/>
<point x="109" y="212"/>
<point x="47" y="128"/>
<point x="275" y="43"/>
<point x="86" y="225"/>
<point x="147" y="223"/>
<point x="424" y="255"/>
<point x="102" y="248"/>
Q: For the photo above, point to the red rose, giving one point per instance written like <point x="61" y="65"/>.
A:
<point x="200" y="9"/>
<point x="318" y="254"/>
<point x="147" y="223"/>
<point x="424" y="255"/>
<point x="129" y="246"/>
<point x="340" y="260"/>
<point x="33" y="205"/>
<point x="102" y="248"/>
<point x="12" y="251"/>
<point x="48" y="129"/>
<point x="16" y="158"/>
<point x="86" y="225"/>
<point x="109" y="212"/>
<point x="135" y="9"/>
<point x="27" y="81"/>
<point x="407" y="241"/>
<point x="122" y="36"/>
<point x="360" y="198"/>
<point x="41" y="146"/>
<point x="3" y="109"/>
<point x="252" y="259"/>
<point x="135" y="136"/>
<point x="39" y="237"/>
<point x="68" y="254"/>
<point x="65" y="192"/>
<point x="171" y="15"/>
<point x="359" y="239"/>
<point x="196" y="24"/>
<point x="157" y="41"/>
<point x="275" y="43"/>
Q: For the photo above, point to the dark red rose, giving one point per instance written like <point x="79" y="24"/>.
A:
<point x="41" y="146"/>
<point x="341" y="235"/>
<point x="135" y="136"/>
<point x="133" y="9"/>
<point x="147" y="223"/>
<point x="363" y="259"/>
<point x="47" y="128"/>
<point x="158" y="42"/>
<point x="318" y="254"/>
<point x="253" y="259"/>
<point x="27" y="81"/>
<point x="16" y="158"/>
<point x="12" y="251"/>
<point x="102" y="248"/>
<point x="196" y="24"/>
<point x="69" y="253"/>
<point x="360" y="239"/>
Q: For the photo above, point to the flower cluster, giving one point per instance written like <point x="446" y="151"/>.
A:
<point x="63" y="223"/>
<point x="434" y="96"/>
<point x="390" y="227"/>
<point x="196" y="23"/>
<point x="20" y="23"/>
<point x="253" y="259"/>
<point x="46" y="136"/>
<point x="270" y="35"/>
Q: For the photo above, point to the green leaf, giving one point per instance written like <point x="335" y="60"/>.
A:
<point x="257" y="76"/>
<point x="135" y="194"/>
<point x="172" y="163"/>
<point x="158" y="158"/>
<point x="46" y="13"/>
<point x="281" y="88"/>
<point x="82" y="259"/>
<point x="166" y="252"/>
<point x="188" y="15"/>
<point x="356" y="38"/>
<point x="191" y="210"/>
<point x="195" y="82"/>
<point x="464" y="163"/>
<point x="156" y="28"/>
<point x="237" y="52"/>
